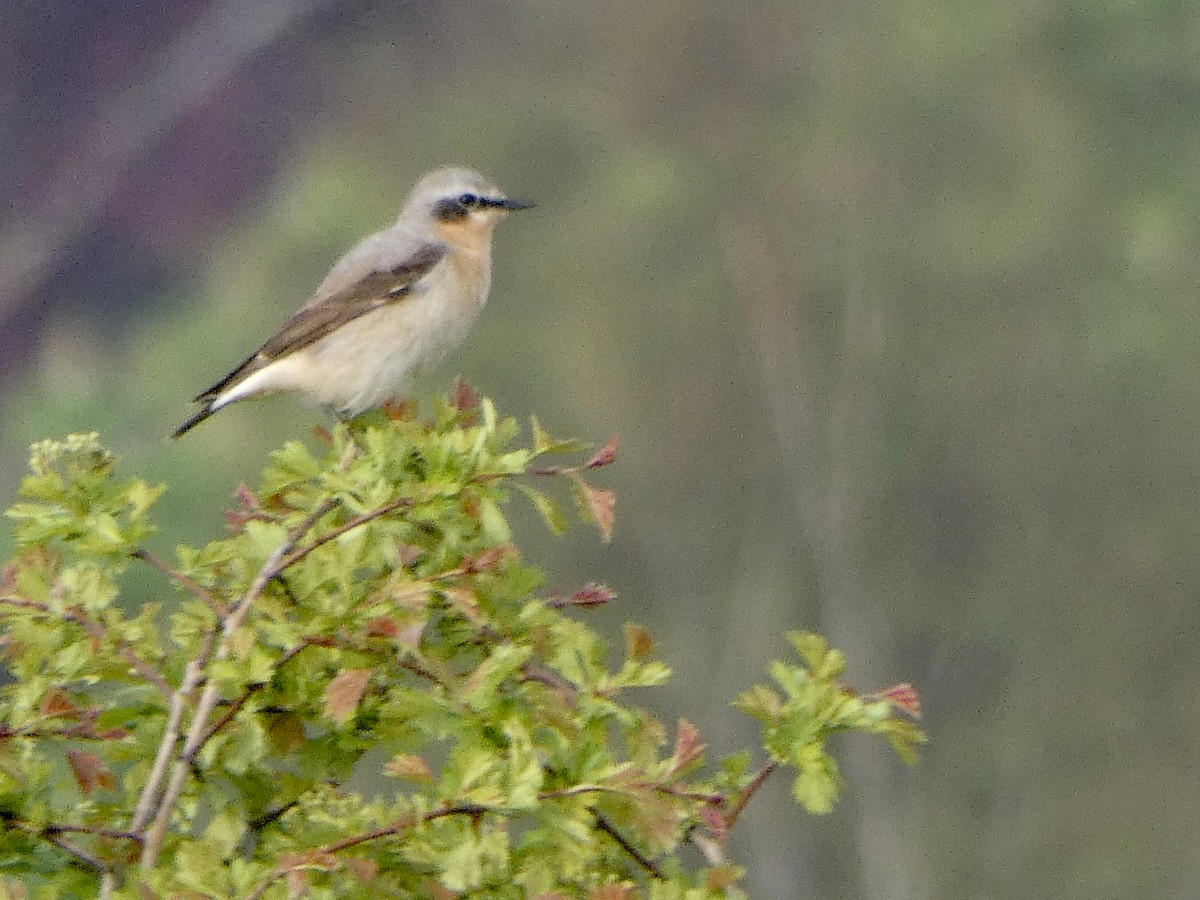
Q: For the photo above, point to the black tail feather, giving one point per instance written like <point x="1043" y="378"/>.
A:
<point x="195" y="420"/>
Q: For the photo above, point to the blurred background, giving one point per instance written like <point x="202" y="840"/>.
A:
<point x="893" y="305"/>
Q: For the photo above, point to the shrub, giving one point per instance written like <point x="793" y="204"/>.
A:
<point x="369" y="618"/>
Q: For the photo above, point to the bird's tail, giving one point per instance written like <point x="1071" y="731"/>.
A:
<point x="208" y="410"/>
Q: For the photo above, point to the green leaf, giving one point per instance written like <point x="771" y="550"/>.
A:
<point x="549" y="510"/>
<point x="818" y="782"/>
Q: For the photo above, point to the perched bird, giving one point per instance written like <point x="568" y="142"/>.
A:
<point x="400" y="299"/>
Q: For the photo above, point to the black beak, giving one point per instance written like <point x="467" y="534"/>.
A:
<point x="508" y="203"/>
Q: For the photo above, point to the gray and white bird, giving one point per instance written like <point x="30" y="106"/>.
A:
<point x="399" y="300"/>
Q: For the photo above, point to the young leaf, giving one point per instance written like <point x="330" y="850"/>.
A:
<point x="344" y="693"/>
<point x="90" y="771"/>
<point x="598" y="504"/>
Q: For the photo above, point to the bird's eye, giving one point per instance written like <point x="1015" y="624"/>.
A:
<point x="468" y="200"/>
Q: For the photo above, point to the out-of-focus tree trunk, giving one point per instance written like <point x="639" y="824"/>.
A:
<point x="827" y="432"/>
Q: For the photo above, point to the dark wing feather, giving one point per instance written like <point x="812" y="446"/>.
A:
<point x="327" y="312"/>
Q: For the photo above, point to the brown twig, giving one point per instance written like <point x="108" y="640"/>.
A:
<point x="193" y="586"/>
<point x="114" y="833"/>
<point x="550" y="678"/>
<point x="297" y="555"/>
<point x="198" y="730"/>
<point x="749" y="791"/>
<point x="398" y="827"/>
<point x="236" y="706"/>
<point x="642" y="860"/>
<point x="101" y="633"/>
<point x="89" y="859"/>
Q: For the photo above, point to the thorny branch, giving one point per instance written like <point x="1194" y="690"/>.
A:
<point x="193" y="586"/>
<point x="749" y="791"/>
<point x="295" y="557"/>
<point x="198" y="730"/>
<point x="99" y="632"/>
<point x="398" y="827"/>
<point x="403" y="825"/>
<point x="236" y="706"/>
<point x="642" y="860"/>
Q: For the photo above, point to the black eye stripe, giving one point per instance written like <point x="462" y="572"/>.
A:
<point x="460" y="205"/>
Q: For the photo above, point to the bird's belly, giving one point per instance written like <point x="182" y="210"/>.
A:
<point x="369" y="359"/>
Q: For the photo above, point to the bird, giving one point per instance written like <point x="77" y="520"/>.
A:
<point x="398" y="301"/>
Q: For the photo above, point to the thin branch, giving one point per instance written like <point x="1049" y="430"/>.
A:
<point x="642" y="860"/>
<point x="199" y="726"/>
<point x="113" y="833"/>
<point x="398" y="827"/>
<point x="86" y="857"/>
<point x="676" y="790"/>
<point x="198" y="731"/>
<point x="419" y="670"/>
<point x="749" y="791"/>
<point x="101" y="633"/>
<point x="236" y="706"/>
<point x="258" y="824"/>
<point x="550" y="678"/>
<point x="289" y="561"/>
<point x="197" y="589"/>
<point x="171" y="736"/>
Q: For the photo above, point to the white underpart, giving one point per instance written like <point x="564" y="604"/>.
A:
<point x="369" y="359"/>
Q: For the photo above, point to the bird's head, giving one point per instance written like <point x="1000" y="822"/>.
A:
<point x="458" y="202"/>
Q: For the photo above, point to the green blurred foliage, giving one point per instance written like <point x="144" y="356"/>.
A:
<point x="891" y="305"/>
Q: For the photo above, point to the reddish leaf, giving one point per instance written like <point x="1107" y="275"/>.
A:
<point x="410" y="635"/>
<point x="90" y="771"/>
<point x="594" y="594"/>
<point x="8" y="575"/>
<point x="613" y="892"/>
<point x="465" y="602"/>
<point x="489" y="558"/>
<point x="246" y="497"/>
<point x="363" y="869"/>
<point x="606" y="455"/>
<point x="58" y="704"/>
<point x="401" y="409"/>
<point x="383" y="626"/>
<point x="464" y="397"/>
<point x="409" y="767"/>
<point x="248" y="508"/>
<point x="688" y="746"/>
<point x="904" y="697"/>
<point x="638" y="641"/>
<point x="344" y="692"/>
<point x="715" y="821"/>
<point x="599" y="504"/>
